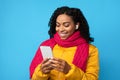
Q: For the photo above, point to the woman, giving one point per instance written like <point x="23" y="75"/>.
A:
<point x="73" y="55"/>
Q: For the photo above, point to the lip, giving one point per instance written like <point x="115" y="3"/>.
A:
<point x="63" y="35"/>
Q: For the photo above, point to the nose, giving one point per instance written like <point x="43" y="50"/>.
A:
<point x="61" y="28"/>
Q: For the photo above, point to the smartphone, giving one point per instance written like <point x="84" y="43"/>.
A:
<point x="46" y="51"/>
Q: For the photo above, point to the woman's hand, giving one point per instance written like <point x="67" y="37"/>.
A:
<point x="46" y="66"/>
<point x="60" y="65"/>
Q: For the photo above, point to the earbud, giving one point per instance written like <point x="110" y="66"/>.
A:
<point x="77" y="27"/>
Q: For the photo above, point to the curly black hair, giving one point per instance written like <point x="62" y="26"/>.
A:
<point x="77" y="16"/>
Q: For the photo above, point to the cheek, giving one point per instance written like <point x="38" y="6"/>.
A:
<point x="56" y="28"/>
<point x="71" y="30"/>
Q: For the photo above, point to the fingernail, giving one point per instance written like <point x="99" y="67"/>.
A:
<point x="50" y="60"/>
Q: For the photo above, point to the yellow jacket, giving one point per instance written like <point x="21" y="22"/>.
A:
<point x="92" y="69"/>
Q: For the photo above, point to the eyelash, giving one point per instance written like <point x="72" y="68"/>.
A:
<point x="66" y="25"/>
<point x="57" y="25"/>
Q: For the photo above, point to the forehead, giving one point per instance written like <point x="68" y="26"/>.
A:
<point x="64" y="18"/>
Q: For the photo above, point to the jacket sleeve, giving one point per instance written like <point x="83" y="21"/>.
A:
<point x="36" y="60"/>
<point x="92" y="69"/>
<point x="38" y="75"/>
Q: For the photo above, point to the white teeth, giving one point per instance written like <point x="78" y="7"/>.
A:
<point x="62" y="34"/>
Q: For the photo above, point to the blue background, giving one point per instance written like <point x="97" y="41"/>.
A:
<point x="24" y="25"/>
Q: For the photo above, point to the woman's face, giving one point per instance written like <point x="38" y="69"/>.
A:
<point x="64" y="26"/>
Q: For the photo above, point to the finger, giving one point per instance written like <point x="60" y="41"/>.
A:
<point x="46" y="69"/>
<point x="56" y="59"/>
<point x="47" y="64"/>
<point x="45" y="60"/>
<point x="59" y="65"/>
<point x="59" y="68"/>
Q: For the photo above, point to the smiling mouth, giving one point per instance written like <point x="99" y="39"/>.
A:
<point x="62" y="34"/>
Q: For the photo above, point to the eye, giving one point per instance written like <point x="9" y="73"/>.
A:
<point x="66" y="24"/>
<point x="57" y="24"/>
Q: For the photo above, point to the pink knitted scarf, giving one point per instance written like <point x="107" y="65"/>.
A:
<point x="81" y="54"/>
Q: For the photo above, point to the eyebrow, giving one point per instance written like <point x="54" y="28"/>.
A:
<point x="63" y="22"/>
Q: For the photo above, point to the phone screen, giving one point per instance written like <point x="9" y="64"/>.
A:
<point x="46" y="51"/>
